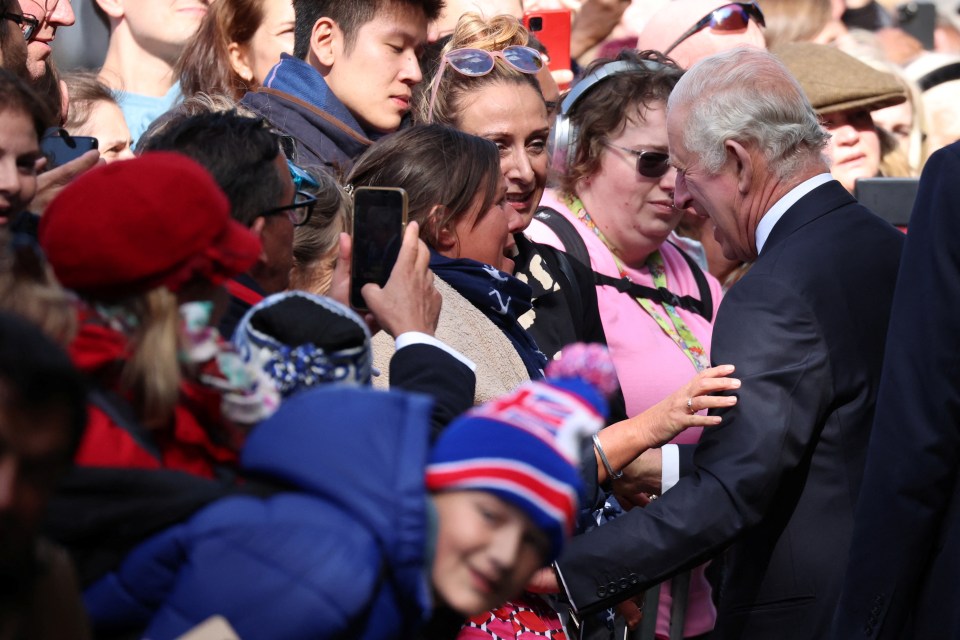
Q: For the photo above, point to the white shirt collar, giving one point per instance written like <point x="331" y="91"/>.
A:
<point x="780" y="207"/>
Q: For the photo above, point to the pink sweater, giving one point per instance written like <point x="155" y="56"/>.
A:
<point x="650" y="365"/>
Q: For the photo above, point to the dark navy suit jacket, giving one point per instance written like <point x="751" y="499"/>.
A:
<point x="902" y="580"/>
<point x="777" y="481"/>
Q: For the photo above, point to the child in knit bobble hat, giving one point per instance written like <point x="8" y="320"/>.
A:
<point x="505" y="483"/>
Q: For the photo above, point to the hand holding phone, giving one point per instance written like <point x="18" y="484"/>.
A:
<point x="379" y="216"/>
<point x="60" y="147"/>
<point x="409" y="301"/>
<point x="51" y="181"/>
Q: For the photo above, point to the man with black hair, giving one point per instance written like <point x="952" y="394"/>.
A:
<point x="243" y="156"/>
<point x="42" y="414"/>
<point x="351" y="77"/>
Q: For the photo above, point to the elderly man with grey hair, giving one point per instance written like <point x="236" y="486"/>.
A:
<point x="776" y="482"/>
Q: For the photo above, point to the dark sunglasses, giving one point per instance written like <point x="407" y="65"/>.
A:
<point x="730" y="17"/>
<point x="650" y="164"/>
<point x="479" y="62"/>
<point x="28" y="24"/>
<point x="299" y="212"/>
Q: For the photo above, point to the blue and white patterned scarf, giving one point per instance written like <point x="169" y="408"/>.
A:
<point x="500" y="296"/>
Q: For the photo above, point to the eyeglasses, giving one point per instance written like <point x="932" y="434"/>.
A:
<point x="299" y="212"/>
<point x="479" y="62"/>
<point x="650" y="164"/>
<point x="28" y="24"/>
<point x="730" y="17"/>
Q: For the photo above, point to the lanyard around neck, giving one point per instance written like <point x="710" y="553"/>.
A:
<point x="673" y="325"/>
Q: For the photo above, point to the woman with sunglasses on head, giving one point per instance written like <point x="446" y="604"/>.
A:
<point x="657" y="306"/>
<point x="487" y="85"/>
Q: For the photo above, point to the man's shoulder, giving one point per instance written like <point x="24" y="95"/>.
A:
<point x="841" y="233"/>
<point x="842" y="261"/>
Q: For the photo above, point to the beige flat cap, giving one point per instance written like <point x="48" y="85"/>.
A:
<point x="835" y="81"/>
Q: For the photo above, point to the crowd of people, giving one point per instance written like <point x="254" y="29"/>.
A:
<point x="643" y="366"/>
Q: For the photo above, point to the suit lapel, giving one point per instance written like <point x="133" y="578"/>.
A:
<point x="824" y="199"/>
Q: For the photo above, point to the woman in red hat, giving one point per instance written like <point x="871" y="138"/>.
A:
<point x="146" y="245"/>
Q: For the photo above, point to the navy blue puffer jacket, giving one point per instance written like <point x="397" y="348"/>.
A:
<point x="340" y="554"/>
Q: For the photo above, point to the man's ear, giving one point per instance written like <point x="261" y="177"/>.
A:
<point x="743" y="162"/>
<point x="258" y="226"/>
<point x="326" y="43"/>
<point x="239" y="61"/>
<point x="113" y="8"/>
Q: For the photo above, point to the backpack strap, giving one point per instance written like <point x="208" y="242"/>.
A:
<point x="573" y="291"/>
<point x="660" y="295"/>
<point x="573" y="244"/>
<point x="706" y="298"/>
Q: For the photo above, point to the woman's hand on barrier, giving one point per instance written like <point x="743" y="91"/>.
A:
<point x="632" y="611"/>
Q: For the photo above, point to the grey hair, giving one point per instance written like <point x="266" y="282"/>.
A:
<point x="748" y="95"/>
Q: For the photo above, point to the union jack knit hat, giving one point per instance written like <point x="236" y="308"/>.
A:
<point x="525" y="447"/>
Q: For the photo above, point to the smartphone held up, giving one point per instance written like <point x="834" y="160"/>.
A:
<point x="60" y="147"/>
<point x="379" y="217"/>
<point x="552" y="28"/>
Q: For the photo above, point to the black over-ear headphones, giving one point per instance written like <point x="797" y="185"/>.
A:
<point x="564" y="137"/>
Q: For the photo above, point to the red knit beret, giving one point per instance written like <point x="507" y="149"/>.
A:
<point x="130" y="226"/>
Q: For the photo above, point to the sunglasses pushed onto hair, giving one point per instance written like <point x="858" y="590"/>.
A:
<point x="730" y="17"/>
<point x="300" y="210"/>
<point x="479" y="62"/>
